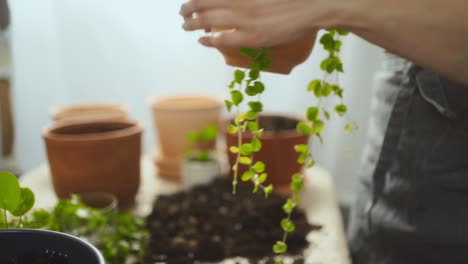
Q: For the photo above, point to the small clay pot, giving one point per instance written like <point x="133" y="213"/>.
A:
<point x="89" y="111"/>
<point x="95" y="156"/>
<point x="283" y="57"/>
<point x="174" y="117"/>
<point x="278" y="154"/>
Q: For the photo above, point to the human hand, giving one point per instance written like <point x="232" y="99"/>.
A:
<point x="257" y="23"/>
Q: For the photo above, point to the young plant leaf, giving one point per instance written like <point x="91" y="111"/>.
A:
<point x="236" y="97"/>
<point x="248" y="52"/>
<point x="247" y="175"/>
<point x="262" y="178"/>
<point x="245" y="160"/>
<point x="256" y="144"/>
<point x="259" y="167"/>
<point x="234" y="149"/>
<point x="246" y="149"/>
<point x="288" y="207"/>
<point x="314" y="85"/>
<point x="228" y="104"/>
<point x="341" y="109"/>
<point x="268" y="190"/>
<point x="239" y="76"/>
<point x="287" y="225"/>
<point x="256" y="106"/>
<point x="250" y="115"/>
<point x="232" y="129"/>
<point x="312" y="113"/>
<point x="280" y="247"/>
<point x="252" y="126"/>
<point x="10" y="192"/>
<point x="302" y="148"/>
<point x="27" y="203"/>
<point x="259" y="87"/>
<point x="318" y="125"/>
<point x="304" y="128"/>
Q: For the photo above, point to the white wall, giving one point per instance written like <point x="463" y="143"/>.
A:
<point x="128" y="51"/>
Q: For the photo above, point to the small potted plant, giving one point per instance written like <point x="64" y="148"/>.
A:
<point x="25" y="246"/>
<point x="201" y="163"/>
<point x="174" y="117"/>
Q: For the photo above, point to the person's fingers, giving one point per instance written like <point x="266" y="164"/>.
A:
<point x="232" y="38"/>
<point x="194" y="6"/>
<point x="217" y="18"/>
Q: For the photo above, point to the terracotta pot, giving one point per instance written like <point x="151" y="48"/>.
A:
<point x="95" y="156"/>
<point x="89" y="111"/>
<point x="283" y="57"/>
<point x="278" y="154"/>
<point x="174" y="117"/>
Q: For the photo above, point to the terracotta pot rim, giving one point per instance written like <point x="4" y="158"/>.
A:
<point x="205" y="103"/>
<point x="290" y="133"/>
<point x="135" y="127"/>
<point x="59" y="112"/>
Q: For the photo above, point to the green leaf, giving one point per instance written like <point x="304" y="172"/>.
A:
<point x="278" y="261"/>
<point x="348" y="128"/>
<point x="239" y="76"/>
<point x="311" y="164"/>
<point x="192" y="137"/>
<point x="27" y="203"/>
<point x="318" y="125"/>
<point x="247" y="175"/>
<point x="297" y="182"/>
<point x="259" y="167"/>
<point x="251" y="90"/>
<point x="256" y="106"/>
<point x="259" y="87"/>
<point x="229" y="105"/>
<point x="248" y="52"/>
<point x="236" y="97"/>
<point x="232" y="129"/>
<point x="232" y="84"/>
<point x="252" y="126"/>
<point x="337" y="90"/>
<point x="245" y="160"/>
<point x="327" y="41"/>
<point x="341" y="109"/>
<point x="342" y="32"/>
<point x="251" y="115"/>
<point x="304" y="128"/>
<point x="256" y="144"/>
<point x="239" y="119"/>
<point x="10" y="192"/>
<point x="262" y="178"/>
<point x="287" y="225"/>
<point x="312" y="113"/>
<point x="326" y="114"/>
<point x="209" y="133"/>
<point x="302" y="158"/>
<point x="246" y="149"/>
<point x="234" y="149"/>
<point x="288" y="207"/>
<point x="327" y="90"/>
<point x="280" y="247"/>
<point x="268" y="190"/>
<point x="337" y="45"/>
<point x="314" y="85"/>
<point x="254" y="74"/>
<point x="302" y="148"/>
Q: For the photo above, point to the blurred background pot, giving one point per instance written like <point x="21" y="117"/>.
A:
<point x="95" y="156"/>
<point x="278" y="154"/>
<point x="20" y="245"/>
<point x="89" y="111"/>
<point x="283" y="57"/>
<point x="174" y="117"/>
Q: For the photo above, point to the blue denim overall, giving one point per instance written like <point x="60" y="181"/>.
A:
<point x="412" y="204"/>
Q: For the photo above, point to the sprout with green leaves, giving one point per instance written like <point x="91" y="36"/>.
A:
<point x="13" y="199"/>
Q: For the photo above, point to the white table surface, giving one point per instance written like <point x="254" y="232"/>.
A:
<point x="327" y="246"/>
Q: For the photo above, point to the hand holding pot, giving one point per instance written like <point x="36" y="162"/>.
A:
<point x="252" y="21"/>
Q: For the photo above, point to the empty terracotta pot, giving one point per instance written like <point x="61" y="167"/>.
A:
<point x="278" y="154"/>
<point x="283" y="57"/>
<point x="89" y="111"/>
<point x="95" y="156"/>
<point x="174" y="117"/>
